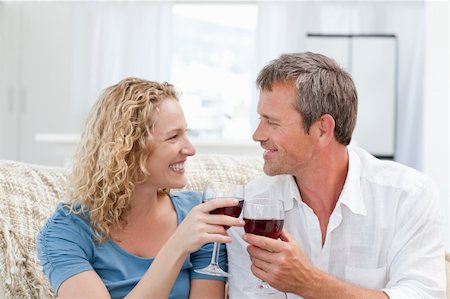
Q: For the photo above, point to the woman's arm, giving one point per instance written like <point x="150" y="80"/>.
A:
<point x="157" y="282"/>
<point x="204" y="288"/>
<point x="86" y="284"/>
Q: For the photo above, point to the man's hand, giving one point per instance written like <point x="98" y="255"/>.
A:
<point x="281" y="263"/>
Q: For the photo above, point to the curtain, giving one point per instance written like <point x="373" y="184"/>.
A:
<point x="114" y="40"/>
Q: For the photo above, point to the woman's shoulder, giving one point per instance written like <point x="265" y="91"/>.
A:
<point x="65" y="219"/>
<point x="186" y="200"/>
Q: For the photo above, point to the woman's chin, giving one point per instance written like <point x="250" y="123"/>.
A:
<point x="178" y="185"/>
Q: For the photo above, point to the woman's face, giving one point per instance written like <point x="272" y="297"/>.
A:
<point x="171" y="147"/>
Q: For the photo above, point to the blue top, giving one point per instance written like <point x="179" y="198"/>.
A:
<point x="66" y="247"/>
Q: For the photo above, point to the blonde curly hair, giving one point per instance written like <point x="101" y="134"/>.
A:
<point x="111" y="157"/>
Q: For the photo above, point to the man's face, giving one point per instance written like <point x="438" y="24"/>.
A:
<point x="287" y="147"/>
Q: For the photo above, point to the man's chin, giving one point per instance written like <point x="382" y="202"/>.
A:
<point x="270" y="171"/>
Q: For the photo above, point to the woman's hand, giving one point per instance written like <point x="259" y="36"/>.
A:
<point x="199" y="227"/>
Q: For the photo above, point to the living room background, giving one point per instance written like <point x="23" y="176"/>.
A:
<point x="55" y="57"/>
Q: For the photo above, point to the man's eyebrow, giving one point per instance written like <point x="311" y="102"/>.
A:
<point x="268" y="117"/>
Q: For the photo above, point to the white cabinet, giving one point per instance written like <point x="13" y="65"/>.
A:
<point x="36" y="84"/>
<point x="55" y="59"/>
<point x="9" y="78"/>
<point x="371" y="60"/>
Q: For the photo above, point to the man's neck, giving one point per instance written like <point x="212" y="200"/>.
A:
<point x="321" y="187"/>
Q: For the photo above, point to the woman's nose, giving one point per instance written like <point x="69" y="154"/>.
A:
<point x="188" y="149"/>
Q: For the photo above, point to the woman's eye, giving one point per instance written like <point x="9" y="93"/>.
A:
<point x="172" y="137"/>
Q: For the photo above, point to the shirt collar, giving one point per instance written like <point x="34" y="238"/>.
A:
<point x="279" y="186"/>
<point x="351" y="195"/>
<point x="286" y="187"/>
<point x="294" y="194"/>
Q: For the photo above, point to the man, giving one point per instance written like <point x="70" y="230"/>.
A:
<point x="355" y="226"/>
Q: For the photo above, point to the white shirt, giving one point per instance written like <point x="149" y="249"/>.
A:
<point x="386" y="231"/>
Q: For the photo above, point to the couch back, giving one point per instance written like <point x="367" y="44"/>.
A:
<point x="28" y="196"/>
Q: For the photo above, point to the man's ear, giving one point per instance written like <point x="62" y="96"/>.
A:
<point x="325" y="125"/>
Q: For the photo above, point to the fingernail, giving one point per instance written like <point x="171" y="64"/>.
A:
<point x="244" y="236"/>
<point x="241" y="222"/>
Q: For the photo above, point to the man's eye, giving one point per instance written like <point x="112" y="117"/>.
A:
<point x="267" y="120"/>
<point x="271" y="123"/>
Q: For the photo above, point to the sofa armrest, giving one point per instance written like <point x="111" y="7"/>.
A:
<point x="2" y="291"/>
<point x="28" y="196"/>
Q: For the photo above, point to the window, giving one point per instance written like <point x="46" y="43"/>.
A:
<point x="213" y="55"/>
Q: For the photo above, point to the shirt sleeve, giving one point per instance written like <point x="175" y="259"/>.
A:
<point x="416" y="258"/>
<point x="64" y="247"/>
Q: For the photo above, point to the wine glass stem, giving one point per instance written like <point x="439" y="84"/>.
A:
<point x="216" y="261"/>
<point x="215" y="254"/>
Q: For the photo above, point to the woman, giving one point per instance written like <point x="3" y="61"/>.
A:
<point x="123" y="234"/>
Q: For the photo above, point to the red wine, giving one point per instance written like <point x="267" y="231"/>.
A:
<point x="268" y="228"/>
<point x="234" y="211"/>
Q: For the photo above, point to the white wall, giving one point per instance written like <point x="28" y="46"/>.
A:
<point x="436" y="154"/>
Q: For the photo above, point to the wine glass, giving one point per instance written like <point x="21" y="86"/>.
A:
<point x="264" y="217"/>
<point x="221" y="190"/>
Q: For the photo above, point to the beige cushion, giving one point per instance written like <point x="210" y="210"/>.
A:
<point x="28" y="196"/>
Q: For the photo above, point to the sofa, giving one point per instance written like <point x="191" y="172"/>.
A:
<point x="28" y="196"/>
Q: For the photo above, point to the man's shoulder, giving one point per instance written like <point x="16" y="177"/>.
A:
<point x="388" y="173"/>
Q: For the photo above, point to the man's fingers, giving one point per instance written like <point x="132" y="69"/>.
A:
<point x="266" y="243"/>
<point x="259" y="253"/>
<point x="285" y="236"/>
<point x="261" y="264"/>
<point x="261" y="274"/>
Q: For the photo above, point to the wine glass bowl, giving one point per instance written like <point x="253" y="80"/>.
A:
<point x="230" y="211"/>
<point x="264" y="217"/>
<point x="264" y="227"/>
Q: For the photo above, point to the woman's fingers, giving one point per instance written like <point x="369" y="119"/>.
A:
<point x="201" y="227"/>
<point x="216" y="203"/>
<point x="218" y="219"/>
<point x="224" y="220"/>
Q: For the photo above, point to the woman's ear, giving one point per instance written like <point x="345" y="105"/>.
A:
<point x="325" y="125"/>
